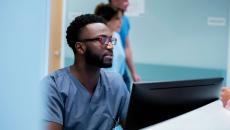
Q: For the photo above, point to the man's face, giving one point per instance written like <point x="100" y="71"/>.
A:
<point x="121" y="4"/>
<point x="97" y="53"/>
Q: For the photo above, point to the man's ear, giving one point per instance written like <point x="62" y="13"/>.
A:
<point x="80" y="47"/>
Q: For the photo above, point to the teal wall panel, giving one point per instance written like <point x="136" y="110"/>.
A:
<point x="24" y="38"/>
<point x="150" y="72"/>
<point x="173" y="36"/>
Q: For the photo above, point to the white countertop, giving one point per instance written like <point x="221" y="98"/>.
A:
<point x="209" y="117"/>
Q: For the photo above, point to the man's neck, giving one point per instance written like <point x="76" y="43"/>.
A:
<point x="87" y="75"/>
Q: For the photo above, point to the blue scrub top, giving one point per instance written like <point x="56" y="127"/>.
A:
<point x="69" y="103"/>
<point x="119" y="62"/>
<point x="124" y="31"/>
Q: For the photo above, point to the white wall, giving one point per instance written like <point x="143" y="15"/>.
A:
<point x="24" y="33"/>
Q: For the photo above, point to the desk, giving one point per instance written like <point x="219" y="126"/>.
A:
<point x="209" y="117"/>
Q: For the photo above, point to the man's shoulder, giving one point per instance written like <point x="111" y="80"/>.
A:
<point x="56" y="76"/>
<point x="114" y="83"/>
<point x="110" y="74"/>
<point x="114" y="79"/>
<point x="59" y="72"/>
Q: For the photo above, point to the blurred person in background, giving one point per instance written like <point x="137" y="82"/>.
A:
<point x="225" y="97"/>
<point x="113" y="18"/>
<point x="124" y="34"/>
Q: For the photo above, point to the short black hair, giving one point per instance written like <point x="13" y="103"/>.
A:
<point x="106" y="11"/>
<point x="75" y="28"/>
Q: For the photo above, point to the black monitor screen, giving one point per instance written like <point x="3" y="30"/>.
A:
<point x="153" y="102"/>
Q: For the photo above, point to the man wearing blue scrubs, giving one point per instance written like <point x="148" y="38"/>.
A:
<point x="83" y="96"/>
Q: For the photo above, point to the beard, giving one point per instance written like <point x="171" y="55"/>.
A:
<point x="97" y="60"/>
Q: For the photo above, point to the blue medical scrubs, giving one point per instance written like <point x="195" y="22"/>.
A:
<point x="69" y="103"/>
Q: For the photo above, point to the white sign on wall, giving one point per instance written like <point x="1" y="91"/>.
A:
<point x="216" y="21"/>
<point x="136" y="8"/>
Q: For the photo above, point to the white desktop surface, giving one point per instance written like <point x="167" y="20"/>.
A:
<point x="209" y="117"/>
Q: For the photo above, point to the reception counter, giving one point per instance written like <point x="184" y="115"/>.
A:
<point x="209" y="117"/>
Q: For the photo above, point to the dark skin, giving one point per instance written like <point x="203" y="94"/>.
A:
<point x="53" y="126"/>
<point x="86" y="73"/>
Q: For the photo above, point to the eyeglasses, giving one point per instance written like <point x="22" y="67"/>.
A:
<point x="104" y="40"/>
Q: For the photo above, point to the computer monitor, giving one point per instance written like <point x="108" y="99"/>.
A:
<point x="153" y="102"/>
